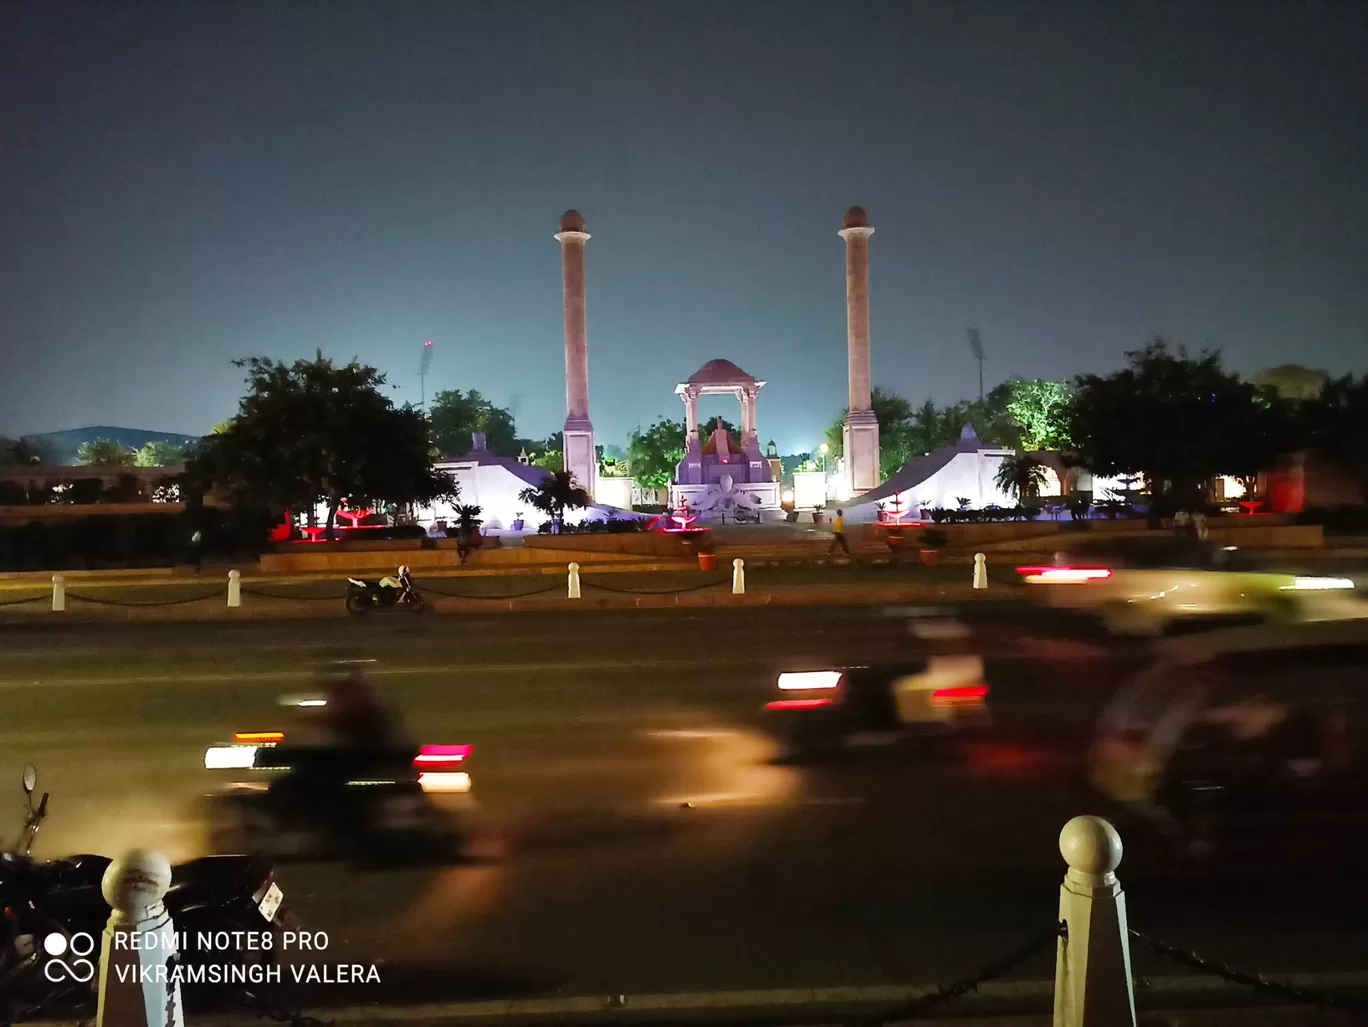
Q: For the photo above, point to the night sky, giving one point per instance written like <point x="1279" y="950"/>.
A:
<point x="182" y="184"/>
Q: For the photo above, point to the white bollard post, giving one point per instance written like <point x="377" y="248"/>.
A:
<point x="980" y="571"/>
<point x="1092" y="966"/>
<point x="58" y="593"/>
<point x="738" y="577"/>
<point x="138" y="987"/>
<point x="234" y="588"/>
<point x="574" y="581"/>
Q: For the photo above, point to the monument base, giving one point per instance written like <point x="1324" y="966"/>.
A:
<point x="580" y="455"/>
<point x="861" y="437"/>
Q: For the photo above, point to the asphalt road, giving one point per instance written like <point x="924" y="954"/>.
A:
<point x="633" y="834"/>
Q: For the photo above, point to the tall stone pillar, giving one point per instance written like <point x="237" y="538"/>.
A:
<point x="581" y="458"/>
<point x="861" y="431"/>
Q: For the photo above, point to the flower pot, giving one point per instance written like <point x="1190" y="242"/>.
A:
<point x="517" y="525"/>
<point x="816" y="518"/>
<point x="707" y="561"/>
<point x="929" y="557"/>
<point x="894" y="541"/>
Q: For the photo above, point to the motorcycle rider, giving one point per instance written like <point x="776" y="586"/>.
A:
<point x="356" y="735"/>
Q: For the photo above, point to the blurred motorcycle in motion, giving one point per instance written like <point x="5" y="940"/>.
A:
<point x="365" y="596"/>
<point x="348" y="784"/>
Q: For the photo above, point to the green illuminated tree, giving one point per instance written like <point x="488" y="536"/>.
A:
<point x="159" y="454"/>
<point x="655" y="453"/>
<point x="104" y="453"/>
<point x="1040" y="410"/>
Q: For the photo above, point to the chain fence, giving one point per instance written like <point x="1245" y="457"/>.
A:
<point x="922" y="1004"/>
<point x="673" y="590"/>
<point x="184" y="601"/>
<point x="260" y="594"/>
<point x="1259" y="983"/>
<point x="554" y="586"/>
<point x="30" y="599"/>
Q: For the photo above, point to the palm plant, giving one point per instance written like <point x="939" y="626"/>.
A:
<point x="556" y="494"/>
<point x="1021" y="475"/>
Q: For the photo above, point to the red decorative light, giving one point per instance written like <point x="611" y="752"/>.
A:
<point x="432" y="757"/>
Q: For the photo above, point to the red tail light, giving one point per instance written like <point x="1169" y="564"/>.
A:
<point x="1064" y="575"/>
<point x="258" y="737"/>
<point x="797" y="704"/>
<point x="960" y="695"/>
<point x="435" y="757"/>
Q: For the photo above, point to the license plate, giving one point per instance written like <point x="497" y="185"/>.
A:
<point x="271" y="902"/>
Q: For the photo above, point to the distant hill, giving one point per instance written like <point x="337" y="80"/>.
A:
<point x="59" y="447"/>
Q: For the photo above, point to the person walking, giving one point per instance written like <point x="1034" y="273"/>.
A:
<point x="838" y="536"/>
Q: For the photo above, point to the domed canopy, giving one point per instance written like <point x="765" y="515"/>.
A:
<point x="856" y="218"/>
<point x="572" y="221"/>
<point x="720" y="372"/>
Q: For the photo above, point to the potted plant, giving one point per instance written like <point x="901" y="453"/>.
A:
<point x="517" y="524"/>
<point x="791" y="516"/>
<point x="817" y="515"/>
<point x="706" y="550"/>
<point x="932" y="540"/>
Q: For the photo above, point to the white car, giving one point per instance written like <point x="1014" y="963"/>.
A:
<point x="1149" y="592"/>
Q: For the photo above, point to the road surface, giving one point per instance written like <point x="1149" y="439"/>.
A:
<point x="633" y="835"/>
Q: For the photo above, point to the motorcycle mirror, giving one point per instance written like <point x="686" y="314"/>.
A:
<point x="30" y="778"/>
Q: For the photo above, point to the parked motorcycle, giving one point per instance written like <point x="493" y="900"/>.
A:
<point x="365" y="596"/>
<point x="65" y="897"/>
<point x="306" y="802"/>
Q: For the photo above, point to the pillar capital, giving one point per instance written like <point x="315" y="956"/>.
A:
<point x="858" y="232"/>
<point x="581" y="237"/>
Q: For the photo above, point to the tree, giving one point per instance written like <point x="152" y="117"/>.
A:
<point x="557" y="493"/>
<point x="1292" y="382"/>
<point x="1040" y="410"/>
<point x="1336" y="426"/>
<point x="456" y="416"/>
<point x="222" y="426"/>
<point x="18" y="452"/>
<point x="655" y="453"/>
<point x="1178" y="420"/>
<point x="1021" y="476"/>
<point x="311" y="431"/>
<point x="159" y="454"/>
<point x="104" y="453"/>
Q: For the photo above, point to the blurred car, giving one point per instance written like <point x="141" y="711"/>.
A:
<point x="1147" y="589"/>
<point x="823" y="710"/>
<point x="1251" y="741"/>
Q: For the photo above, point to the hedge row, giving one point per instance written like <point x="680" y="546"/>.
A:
<point x="133" y="540"/>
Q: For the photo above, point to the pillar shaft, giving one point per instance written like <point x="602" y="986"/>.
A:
<point x="576" y="327"/>
<point x="857" y="314"/>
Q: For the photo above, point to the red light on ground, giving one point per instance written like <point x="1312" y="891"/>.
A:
<point x="797" y="704"/>
<point x="1064" y="575"/>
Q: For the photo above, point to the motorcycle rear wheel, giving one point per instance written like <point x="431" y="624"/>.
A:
<point x="359" y="604"/>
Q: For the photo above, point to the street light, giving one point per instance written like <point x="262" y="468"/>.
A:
<point x="824" y="449"/>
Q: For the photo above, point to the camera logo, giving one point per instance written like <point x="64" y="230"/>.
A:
<point x="81" y="970"/>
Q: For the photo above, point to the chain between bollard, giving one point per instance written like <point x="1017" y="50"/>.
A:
<point x="150" y="602"/>
<point x="495" y="598"/>
<point x="303" y="599"/>
<point x="261" y="1004"/>
<point x="31" y="599"/>
<point x="657" y="591"/>
<point x="1257" y="982"/>
<point x="913" y="1008"/>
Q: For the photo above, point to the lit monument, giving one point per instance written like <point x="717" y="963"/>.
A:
<point x="581" y="458"/>
<point x="861" y="431"/>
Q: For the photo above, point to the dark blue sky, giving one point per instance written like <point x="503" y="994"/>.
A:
<point x="186" y="183"/>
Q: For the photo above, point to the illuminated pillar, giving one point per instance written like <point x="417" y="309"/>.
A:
<point x="580" y="456"/>
<point x="861" y="431"/>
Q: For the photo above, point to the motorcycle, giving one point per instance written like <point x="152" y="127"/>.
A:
<point x="365" y="596"/>
<point x="377" y="808"/>
<point x="65" y="897"/>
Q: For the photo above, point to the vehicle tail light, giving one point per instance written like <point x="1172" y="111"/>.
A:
<point x="258" y="737"/>
<point x="797" y="704"/>
<point x="444" y="781"/>
<point x="438" y="757"/>
<point x="1063" y="575"/>
<point x="960" y="695"/>
<point x="801" y="681"/>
